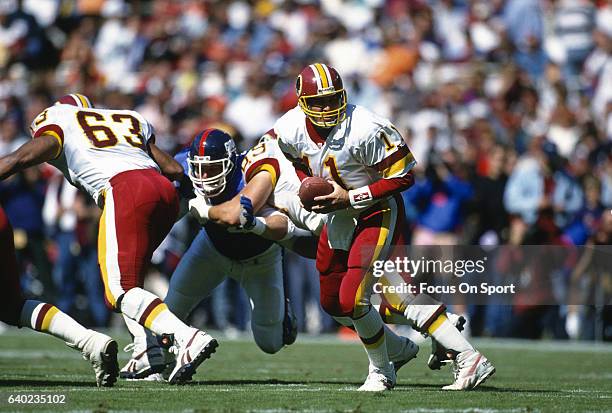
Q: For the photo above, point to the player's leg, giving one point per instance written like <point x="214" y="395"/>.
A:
<point x="262" y="279"/>
<point x="332" y="267"/>
<point x="372" y="241"/>
<point x="99" y="349"/>
<point x="140" y="208"/>
<point x="201" y="269"/>
<point x="390" y="315"/>
<point x="429" y="316"/>
<point x="400" y="349"/>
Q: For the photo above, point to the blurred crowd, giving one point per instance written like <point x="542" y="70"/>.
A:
<point x="506" y="105"/>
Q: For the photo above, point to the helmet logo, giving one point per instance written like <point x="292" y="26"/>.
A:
<point x="230" y="147"/>
<point x="298" y="85"/>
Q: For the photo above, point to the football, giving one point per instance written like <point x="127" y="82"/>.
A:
<point x="313" y="187"/>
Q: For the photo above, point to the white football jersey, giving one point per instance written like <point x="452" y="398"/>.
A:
<point x="359" y="151"/>
<point x="96" y="144"/>
<point x="266" y="155"/>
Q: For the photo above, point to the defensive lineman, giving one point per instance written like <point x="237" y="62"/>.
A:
<point x="220" y="250"/>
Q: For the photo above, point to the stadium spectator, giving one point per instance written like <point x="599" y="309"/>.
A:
<point x="491" y="81"/>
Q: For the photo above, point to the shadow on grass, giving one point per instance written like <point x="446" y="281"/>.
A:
<point x="44" y="383"/>
<point x="356" y="384"/>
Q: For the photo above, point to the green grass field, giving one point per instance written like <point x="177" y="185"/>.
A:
<point x="314" y="375"/>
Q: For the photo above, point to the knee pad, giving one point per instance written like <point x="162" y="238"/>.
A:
<point x="269" y="338"/>
<point x="423" y="310"/>
<point x="180" y="304"/>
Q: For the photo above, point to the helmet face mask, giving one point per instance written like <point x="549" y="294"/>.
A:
<point x="314" y="107"/>
<point x="211" y="161"/>
<point x="321" y="95"/>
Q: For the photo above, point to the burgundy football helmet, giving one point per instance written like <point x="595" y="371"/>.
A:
<point x="75" y="99"/>
<point x="321" y="95"/>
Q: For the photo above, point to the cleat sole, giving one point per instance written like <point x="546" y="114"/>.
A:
<point x="484" y="377"/>
<point x="111" y="365"/>
<point x="143" y="374"/>
<point x="186" y="372"/>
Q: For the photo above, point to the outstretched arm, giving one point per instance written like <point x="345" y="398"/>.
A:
<point x="257" y="190"/>
<point x="41" y="149"/>
<point x="227" y="214"/>
<point x="168" y="165"/>
<point x="278" y="227"/>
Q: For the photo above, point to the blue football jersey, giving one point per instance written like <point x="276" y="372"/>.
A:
<point x="237" y="246"/>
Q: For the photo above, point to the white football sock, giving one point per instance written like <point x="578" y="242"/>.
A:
<point x="393" y="342"/>
<point x="151" y="312"/>
<point x="371" y="330"/>
<point x="47" y="318"/>
<point x="447" y="335"/>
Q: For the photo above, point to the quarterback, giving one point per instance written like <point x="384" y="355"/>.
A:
<point x="111" y="155"/>
<point x="368" y="163"/>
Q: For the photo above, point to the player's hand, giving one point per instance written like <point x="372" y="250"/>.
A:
<point x="338" y="199"/>
<point x="198" y="208"/>
<point x="247" y="219"/>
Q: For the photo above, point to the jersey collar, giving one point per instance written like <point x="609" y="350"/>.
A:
<point x="313" y="134"/>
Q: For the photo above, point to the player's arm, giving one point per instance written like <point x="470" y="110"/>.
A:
<point x="261" y="172"/>
<point x="34" y="152"/>
<point x="278" y="227"/>
<point x="388" y="154"/>
<point x="258" y="189"/>
<point x="168" y="165"/>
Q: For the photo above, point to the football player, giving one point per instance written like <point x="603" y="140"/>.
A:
<point x="368" y="163"/>
<point x="277" y="184"/>
<point x="271" y="181"/>
<point x="99" y="349"/>
<point x="111" y="154"/>
<point x="212" y="166"/>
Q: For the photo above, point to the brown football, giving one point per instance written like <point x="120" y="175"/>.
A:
<point x="312" y="187"/>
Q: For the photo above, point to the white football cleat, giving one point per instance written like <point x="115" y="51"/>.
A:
<point x="191" y="351"/>
<point x="101" y="351"/>
<point x="470" y="369"/>
<point x="147" y="359"/>
<point x="409" y="351"/>
<point x="438" y="354"/>
<point x="379" y="380"/>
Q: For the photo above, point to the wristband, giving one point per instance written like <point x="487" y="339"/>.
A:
<point x="360" y="197"/>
